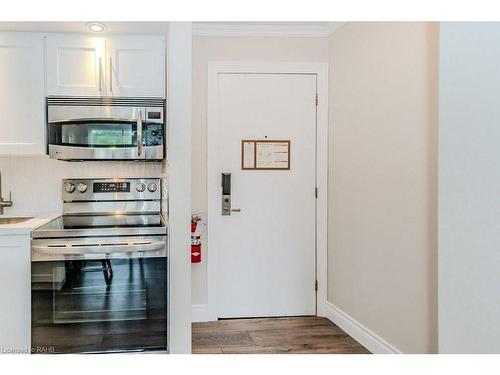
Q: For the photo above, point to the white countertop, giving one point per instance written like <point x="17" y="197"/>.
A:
<point x="27" y="226"/>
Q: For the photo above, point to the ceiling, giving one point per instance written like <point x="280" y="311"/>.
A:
<point x="298" y="29"/>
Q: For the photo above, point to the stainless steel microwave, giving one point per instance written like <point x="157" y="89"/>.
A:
<point x="105" y="128"/>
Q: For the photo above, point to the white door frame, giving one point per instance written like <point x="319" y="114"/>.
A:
<point x="321" y="72"/>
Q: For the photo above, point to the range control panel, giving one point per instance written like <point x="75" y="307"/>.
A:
<point x="103" y="189"/>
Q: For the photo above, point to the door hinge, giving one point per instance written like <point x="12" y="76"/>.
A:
<point x="316" y="286"/>
<point x="317" y="99"/>
<point x="316" y="192"/>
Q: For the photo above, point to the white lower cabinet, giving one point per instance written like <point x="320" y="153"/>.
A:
<point x="22" y="129"/>
<point x="15" y="294"/>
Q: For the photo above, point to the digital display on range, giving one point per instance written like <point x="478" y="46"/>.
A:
<point x="111" y="187"/>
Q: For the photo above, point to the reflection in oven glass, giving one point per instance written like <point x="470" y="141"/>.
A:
<point x="99" y="305"/>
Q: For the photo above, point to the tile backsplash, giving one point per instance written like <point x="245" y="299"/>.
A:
<point x="35" y="181"/>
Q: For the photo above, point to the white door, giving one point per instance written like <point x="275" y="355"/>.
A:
<point x="22" y="129"/>
<point x="75" y="65"/>
<point x="265" y="261"/>
<point x="136" y="65"/>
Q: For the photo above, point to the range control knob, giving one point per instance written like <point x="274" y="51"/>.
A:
<point x="140" y="187"/>
<point x="69" y="187"/>
<point x="82" y="188"/>
<point x="152" y="187"/>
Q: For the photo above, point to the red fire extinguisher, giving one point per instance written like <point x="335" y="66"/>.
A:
<point x="195" y="240"/>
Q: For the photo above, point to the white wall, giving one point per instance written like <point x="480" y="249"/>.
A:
<point x="36" y="181"/>
<point x="469" y="186"/>
<point x="205" y="49"/>
<point x="382" y="180"/>
<point x="179" y="96"/>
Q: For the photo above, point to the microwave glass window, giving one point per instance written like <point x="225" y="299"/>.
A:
<point x="116" y="137"/>
<point x="94" y="134"/>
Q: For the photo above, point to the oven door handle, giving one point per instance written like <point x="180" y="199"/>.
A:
<point x="98" y="248"/>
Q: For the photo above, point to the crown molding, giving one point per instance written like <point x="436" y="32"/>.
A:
<point x="335" y="26"/>
<point x="262" y="29"/>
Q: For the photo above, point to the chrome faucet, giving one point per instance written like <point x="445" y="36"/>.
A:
<point x="3" y="203"/>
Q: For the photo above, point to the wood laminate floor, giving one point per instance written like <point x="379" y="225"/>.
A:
<point x="298" y="335"/>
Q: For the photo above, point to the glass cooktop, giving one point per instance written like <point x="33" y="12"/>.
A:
<point x="104" y="221"/>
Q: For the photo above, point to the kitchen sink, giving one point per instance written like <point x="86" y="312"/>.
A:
<point x="13" y="220"/>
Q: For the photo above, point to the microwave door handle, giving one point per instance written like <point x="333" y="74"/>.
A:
<point x="139" y="134"/>
<point x="111" y="74"/>
<point x="100" y="75"/>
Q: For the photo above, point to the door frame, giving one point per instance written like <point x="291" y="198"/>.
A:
<point x="210" y="312"/>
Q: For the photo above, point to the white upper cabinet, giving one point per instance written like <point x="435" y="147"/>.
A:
<point x="75" y="65"/>
<point x="22" y="130"/>
<point x="81" y="65"/>
<point x="136" y="66"/>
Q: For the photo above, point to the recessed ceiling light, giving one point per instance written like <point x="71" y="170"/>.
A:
<point x="96" y="27"/>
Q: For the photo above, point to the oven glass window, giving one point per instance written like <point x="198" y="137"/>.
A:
<point x="104" y="134"/>
<point x="99" y="305"/>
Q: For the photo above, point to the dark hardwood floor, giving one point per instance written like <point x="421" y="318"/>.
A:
<point x="297" y="335"/>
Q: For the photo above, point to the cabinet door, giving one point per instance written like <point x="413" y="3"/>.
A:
<point x="15" y="292"/>
<point x="75" y="65"/>
<point x="22" y="125"/>
<point x="136" y="66"/>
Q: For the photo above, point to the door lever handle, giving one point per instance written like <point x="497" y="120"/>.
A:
<point x="235" y="209"/>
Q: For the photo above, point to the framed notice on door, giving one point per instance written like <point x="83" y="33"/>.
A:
<point x="265" y="154"/>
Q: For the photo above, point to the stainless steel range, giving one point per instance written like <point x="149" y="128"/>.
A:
<point x="99" y="272"/>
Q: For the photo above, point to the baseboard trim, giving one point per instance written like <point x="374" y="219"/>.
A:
<point x="200" y="314"/>
<point x="359" y="332"/>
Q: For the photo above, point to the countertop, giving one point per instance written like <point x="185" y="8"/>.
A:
<point x="27" y="226"/>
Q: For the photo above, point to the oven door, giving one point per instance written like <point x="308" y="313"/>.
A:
<point x="99" y="295"/>
<point x="105" y="133"/>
